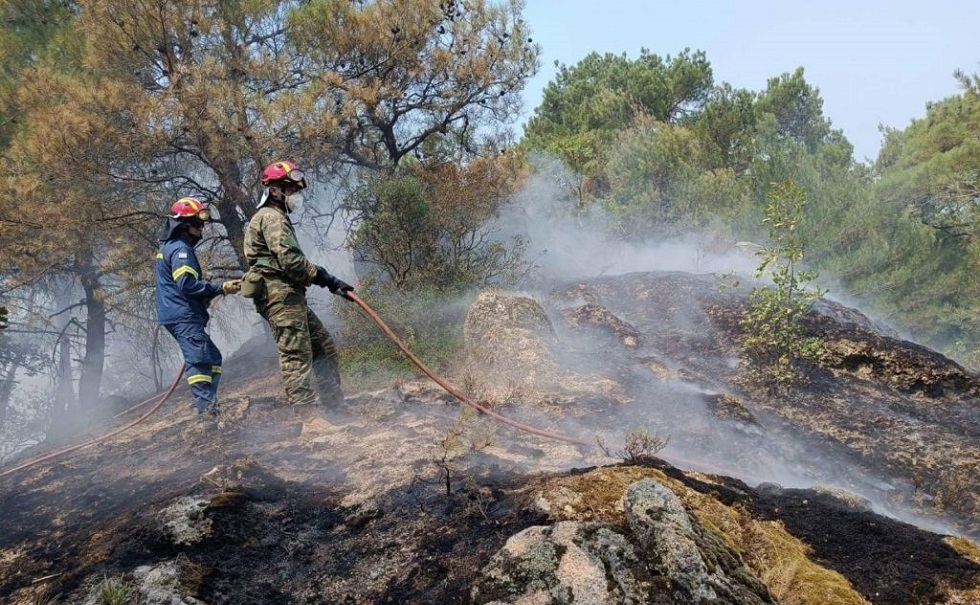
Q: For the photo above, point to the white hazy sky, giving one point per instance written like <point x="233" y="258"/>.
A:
<point x="874" y="61"/>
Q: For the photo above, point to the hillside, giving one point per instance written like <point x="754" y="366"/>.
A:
<point x="859" y="486"/>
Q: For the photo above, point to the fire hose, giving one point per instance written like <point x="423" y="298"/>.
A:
<point x="72" y="448"/>
<point x="453" y="390"/>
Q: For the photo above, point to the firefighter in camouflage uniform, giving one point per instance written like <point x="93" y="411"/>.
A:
<point x="278" y="276"/>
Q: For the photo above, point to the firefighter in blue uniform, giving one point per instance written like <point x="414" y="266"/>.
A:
<point x="183" y="298"/>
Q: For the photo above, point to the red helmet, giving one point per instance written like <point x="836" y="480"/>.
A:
<point x="285" y="171"/>
<point x="189" y="209"/>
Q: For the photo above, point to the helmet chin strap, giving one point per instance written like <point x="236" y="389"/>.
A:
<point x="272" y="194"/>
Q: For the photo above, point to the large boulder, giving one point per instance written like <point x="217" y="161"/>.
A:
<point x="663" y="556"/>
<point x="502" y="330"/>
<point x="513" y="352"/>
<point x="508" y="341"/>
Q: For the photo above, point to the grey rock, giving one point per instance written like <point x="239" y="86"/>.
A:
<point x="698" y="566"/>
<point x="551" y="565"/>
<point x="665" y="558"/>
<point x="161" y="585"/>
<point x="185" y="521"/>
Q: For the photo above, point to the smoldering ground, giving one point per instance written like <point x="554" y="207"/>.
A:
<point x="371" y="502"/>
<point x="571" y="248"/>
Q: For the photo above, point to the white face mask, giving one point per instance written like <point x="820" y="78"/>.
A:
<point x="294" y="202"/>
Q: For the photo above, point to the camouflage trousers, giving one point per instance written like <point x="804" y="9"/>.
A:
<point x="307" y="355"/>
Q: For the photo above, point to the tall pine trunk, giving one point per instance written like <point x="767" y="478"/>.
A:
<point x="7" y="382"/>
<point x="63" y="422"/>
<point x="93" y="361"/>
<point x="64" y="404"/>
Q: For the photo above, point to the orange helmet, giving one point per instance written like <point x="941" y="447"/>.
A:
<point x="283" y="170"/>
<point x="189" y="209"/>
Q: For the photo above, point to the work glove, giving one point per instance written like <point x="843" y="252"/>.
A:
<point x="339" y="287"/>
<point x="322" y="278"/>
<point x="335" y="285"/>
<point x="232" y="286"/>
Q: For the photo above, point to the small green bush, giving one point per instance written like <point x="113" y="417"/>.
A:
<point x="425" y="229"/>
<point x="775" y="339"/>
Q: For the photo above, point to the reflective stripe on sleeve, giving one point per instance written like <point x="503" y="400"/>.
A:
<point x="185" y="269"/>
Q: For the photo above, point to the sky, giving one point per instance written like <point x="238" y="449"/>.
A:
<point x="874" y="61"/>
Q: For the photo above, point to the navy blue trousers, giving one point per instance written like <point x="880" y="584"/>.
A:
<point x="203" y="362"/>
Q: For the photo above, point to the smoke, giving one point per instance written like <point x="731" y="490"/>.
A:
<point x="837" y="292"/>
<point x="564" y="244"/>
<point x="566" y="247"/>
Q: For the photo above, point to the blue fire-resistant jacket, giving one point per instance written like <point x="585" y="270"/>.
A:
<point x="182" y="297"/>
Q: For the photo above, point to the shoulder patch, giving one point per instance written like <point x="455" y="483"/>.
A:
<point x="182" y="254"/>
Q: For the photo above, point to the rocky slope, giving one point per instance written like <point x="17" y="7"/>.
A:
<point x="859" y="486"/>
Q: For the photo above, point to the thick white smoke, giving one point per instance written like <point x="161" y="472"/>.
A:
<point x="566" y="247"/>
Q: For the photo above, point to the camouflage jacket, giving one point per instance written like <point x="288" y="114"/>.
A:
<point x="271" y="246"/>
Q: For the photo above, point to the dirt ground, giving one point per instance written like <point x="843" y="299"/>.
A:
<point x="402" y="497"/>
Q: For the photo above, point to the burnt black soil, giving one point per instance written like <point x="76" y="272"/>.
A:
<point x="277" y="541"/>
<point x="274" y="541"/>
<point x="889" y="562"/>
<point x="290" y="544"/>
<point x="66" y="519"/>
